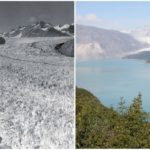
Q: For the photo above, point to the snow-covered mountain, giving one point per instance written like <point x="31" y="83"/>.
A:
<point x="66" y="28"/>
<point x="40" y="29"/>
<point x="98" y="42"/>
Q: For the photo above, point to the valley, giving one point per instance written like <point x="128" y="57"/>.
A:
<point x="35" y="109"/>
<point x="104" y="43"/>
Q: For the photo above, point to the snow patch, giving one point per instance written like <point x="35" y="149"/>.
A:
<point x="44" y="29"/>
<point x="60" y="28"/>
<point x="12" y="32"/>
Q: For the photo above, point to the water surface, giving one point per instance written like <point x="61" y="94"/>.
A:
<point x="111" y="79"/>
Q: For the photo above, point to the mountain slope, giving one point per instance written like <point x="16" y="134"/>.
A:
<point x="111" y="43"/>
<point x="91" y="117"/>
<point x="145" y="55"/>
<point x="40" y="29"/>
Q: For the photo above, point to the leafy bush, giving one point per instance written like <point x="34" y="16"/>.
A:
<point x="102" y="127"/>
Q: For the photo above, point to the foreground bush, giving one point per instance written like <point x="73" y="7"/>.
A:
<point x="102" y="127"/>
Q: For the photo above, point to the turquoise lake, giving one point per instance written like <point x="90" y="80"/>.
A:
<point x="111" y="79"/>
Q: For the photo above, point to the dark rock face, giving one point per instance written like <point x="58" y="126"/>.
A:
<point x="57" y="47"/>
<point x="2" y="40"/>
<point x="71" y="29"/>
<point x="66" y="48"/>
<point x="42" y="24"/>
<point x="0" y="139"/>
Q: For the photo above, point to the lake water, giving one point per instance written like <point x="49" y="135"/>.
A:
<point x="111" y="79"/>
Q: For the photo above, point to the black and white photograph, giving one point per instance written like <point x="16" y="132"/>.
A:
<point x="37" y="75"/>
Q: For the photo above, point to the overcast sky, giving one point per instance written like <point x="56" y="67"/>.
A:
<point x="14" y="14"/>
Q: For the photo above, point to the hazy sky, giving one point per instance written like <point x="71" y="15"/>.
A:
<point x="14" y="14"/>
<point x="114" y="15"/>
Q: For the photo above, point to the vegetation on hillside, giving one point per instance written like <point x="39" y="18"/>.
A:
<point x="102" y="127"/>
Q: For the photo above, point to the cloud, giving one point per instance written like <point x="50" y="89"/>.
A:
<point x="91" y="17"/>
<point x="88" y="19"/>
<point x="32" y="19"/>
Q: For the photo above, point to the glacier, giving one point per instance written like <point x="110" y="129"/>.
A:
<point x="36" y="94"/>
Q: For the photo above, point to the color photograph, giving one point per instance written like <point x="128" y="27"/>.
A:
<point x="112" y="74"/>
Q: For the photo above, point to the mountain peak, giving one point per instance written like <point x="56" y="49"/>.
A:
<point x="40" y="29"/>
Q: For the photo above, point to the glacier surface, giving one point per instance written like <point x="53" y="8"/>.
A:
<point x="36" y="94"/>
